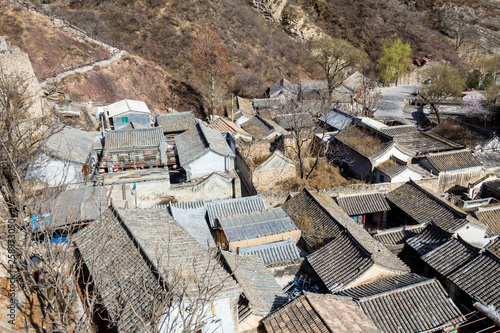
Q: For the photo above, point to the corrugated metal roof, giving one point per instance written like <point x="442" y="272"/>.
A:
<point x="364" y="203"/>
<point x="455" y="160"/>
<point x="136" y="138"/>
<point x="257" y="224"/>
<point x="275" y="253"/>
<point x="229" y="207"/>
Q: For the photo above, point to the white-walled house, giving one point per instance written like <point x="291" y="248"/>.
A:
<point x="202" y="151"/>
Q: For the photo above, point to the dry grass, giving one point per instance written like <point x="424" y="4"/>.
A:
<point x="324" y="176"/>
<point x="458" y="133"/>
<point x="361" y="140"/>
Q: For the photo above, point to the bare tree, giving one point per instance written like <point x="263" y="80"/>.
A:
<point x="456" y="22"/>
<point x="210" y="59"/>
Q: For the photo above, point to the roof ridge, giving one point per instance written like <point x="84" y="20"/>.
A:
<point x="442" y="139"/>
<point x="398" y="229"/>
<point x="398" y="289"/>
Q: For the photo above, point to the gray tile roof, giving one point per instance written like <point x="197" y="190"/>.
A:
<point x="391" y="169"/>
<point x="229" y="207"/>
<point x="70" y="144"/>
<point x="259" y="286"/>
<point x="282" y="252"/>
<point x="340" y="262"/>
<point x="494" y="246"/>
<point x="256" y="224"/>
<point x="245" y="106"/>
<point x="364" y="203"/>
<point x="172" y="249"/>
<point x="424" y="207"/>
<point x="319" y="313"/>
<point x="454" y="160"/>
<point x="397" y="236"/>
<point x="298" y="120"/>
<point x="176" y="122"/>
<point x="259" y="127"/>
<point x="431" y="237"/>
<point x="78" y="205"/>
<point x="367" y="141"/>
<point x="491" y="218"/>
<point x="337" y="119"/>
<point x="408" y="308"/>
<point x="198" y="141"/>
<point x="195" y="222"/>
<point x="307" y="86"/>
<point x="448" y="257"/>
<point x="322" y="220"/>
<point x="382" y="286"/>
<point x="419" y="143"/>
<point x="397" y="130"/>
<point x="135" y="138"/>
<point x="480" y="278"/>
<point x="119" y="273"/>
<point x="267" y="103"/>
<point x="285" y="87"/>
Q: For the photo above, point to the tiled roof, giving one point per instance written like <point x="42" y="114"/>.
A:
<point x="70" y="144"/>
<point x="120" y="274"/>
<point x="391" y="168"/>
<point x="258" y="127"/>
<point x="396" y="130"/>
<point x="479" y="278"/>
<point x="259" y="286"/>
<point x="454" y="160"/>
<point x="195" y="222"/>
<point x="136" y="138"/>
<point x="397" y="236"/>
<point x="176" y="122"/>
<point x="424" y="207"/>
<point x="319" y="313"/>
<point x="324" y="220"/>
<point x="297" y="121"/>
<point x="229" y="207"/>
<point x="199" y="140"/>
<point x="284" y="86"/>
<point x="224" y="125"/>
<point x="245" y="106"/>
<point x="337" y="119"/>
<point x="275" y="253"/>
<point x="428" y="239"/>
<point x="364" y="203"/>
<point x="126" y="105"/>
<point x="256" y="224"/>
<point x="267" y="103"/>
<point x="340" y="262"/>
<point x="462" y="132"/>
<point x="367" y="141"/>
<point x="494" y="246"/>
<point x="317" y="225"/>
<point x="76" y="205"/>
<point x="419" y="143"/>
<point x="421" y="306"/>
<point x="171" y="248"/>
<point x="448" y="257"/>
<point x="490" y="217"/>
<point x="306" y="86"/>
<point x="382" y="286"/>
<point x="189" y="205"/>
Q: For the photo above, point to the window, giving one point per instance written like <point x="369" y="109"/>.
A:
<point x="124" y="120"/>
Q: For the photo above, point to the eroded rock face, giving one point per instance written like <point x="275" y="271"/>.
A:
<point x="271" y="9"/>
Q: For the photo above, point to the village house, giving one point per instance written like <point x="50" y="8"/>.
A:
<point x="412" y="204"/>
<point x="126" y="113"/>
<point x="261" y="294"/>
<point x="364" y="148"/>
<point x="202" y="151"/>
<point x="132" y="149"/>
<point x="244" y="111"/>
<point x="285" y="88"/>
<point x="256" y="228"/>
<point x="343" y="254"/>
<point x="395" y="238"/>
<point x="295" y="121"/>
<point x="263" y="129"/>
<point x="396" y="171"/>
<point x="145" y="254"/>
<point x="368" y="209"/>
<point x="274" y="170"/>
<point x="490" y="216"/>
<point x="455" y="168"/>
<point x="175" y="123"/>
<point x="336" y="120"/>
<point x="230" y="207"/>
<point x="70" y="156"/>
<point x="227" y="126"/>
<point x="319" y="313"/>
<point x="312" y="90"/>
<point x="406" y="303"/>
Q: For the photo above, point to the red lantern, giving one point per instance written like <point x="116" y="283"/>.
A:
<point x="101" y="171"/>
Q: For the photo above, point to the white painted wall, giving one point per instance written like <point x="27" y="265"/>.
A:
<point x="473" y="234"/>
<point x="394" y="151"/>
<point x="210" y="162"/>
<point x="221" y="322"/>
<point x="406" y="175"/>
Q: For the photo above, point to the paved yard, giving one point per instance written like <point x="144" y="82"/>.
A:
<point x="393" y="102"/>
